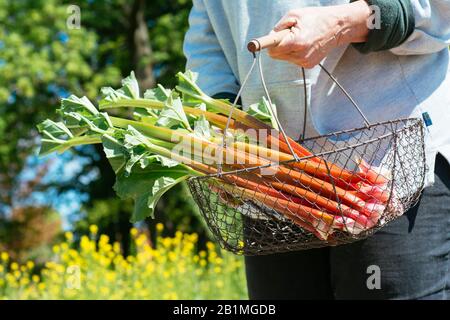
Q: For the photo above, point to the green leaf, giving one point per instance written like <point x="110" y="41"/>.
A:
<point x="165" y="162"/>
<point x="262" y="111"/>
<point x="202" y="128"/>
<point x="98" y="123"/>
<point x="130" y="86"/>
<point x="173" y="114"/>
<point x="129" y="90"/>
<point x="53" y="129"/>
<point x="79" y="105"/>
<point x="55" y="135"/>
<point x="191" y="92"/>
<point x="115" y="152"/>
<point x="159" y="93"/>
<point x="146" y="186"/>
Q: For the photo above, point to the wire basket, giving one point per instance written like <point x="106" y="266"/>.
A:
<point x="354" y="183"/>
<point x="244" y="224"/>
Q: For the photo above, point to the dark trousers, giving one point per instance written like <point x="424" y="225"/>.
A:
<point x="407" y="259"/>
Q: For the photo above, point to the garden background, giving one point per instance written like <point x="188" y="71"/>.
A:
<point x="63" y="231"/>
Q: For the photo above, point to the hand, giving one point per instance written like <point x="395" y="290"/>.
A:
<point x="315" y="31"/>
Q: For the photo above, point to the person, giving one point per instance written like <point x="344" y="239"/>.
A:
<point x="392" y="56"/>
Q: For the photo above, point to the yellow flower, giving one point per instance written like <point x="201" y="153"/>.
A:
<point x="217" y="269"/>
<point x="167" y="242"/>
<point x="150" y="268"/>
<point x="104" y="240"/>
<point x="170" y="296"/>
<point x="73" y="253"/>
<point x="116" y="247"/>
<point x="56" y="249"/>
<point x="41" y="286"/>
<point x="194" y="237"/>
<point x="85" y="243"/>
<point x="172" y="256"/>
<point x="202" y="254"/>
<point x="30" y="265"/>
<point x="203" y="263"/>
<point x="110" y="276"/>
<point x="69" y="236"/>
<point x="93" y="229"/>
<point x="210" y="245"/>
<point x="4" y="256"/>
<point x="35" y="278"/>
<point x="141" y="240"/>
<point x="134" y="232"/>
<point x="159" y="227"/>
<point x="1" y="268"/>
<point x="14" y="266"/>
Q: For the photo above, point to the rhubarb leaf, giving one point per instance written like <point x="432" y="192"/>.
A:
<point x="165" y="162"/>
<point x="53" y="129"/>
<point x="115" y="152"/>
<point x="129" y="90"/>
<point x="173" y="114"/>
<point x="191" y="92"/>
<point x="159" y="93"/>
<point x="79" y="105"/>
<point x="146" y="186"/>
<point x="262" y="111"/>
<point x="54" y="136"/>
<point x="202" y="128"/>
<point x="130" y="86"/>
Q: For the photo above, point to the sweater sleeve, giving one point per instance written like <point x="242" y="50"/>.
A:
<point x="432" y="28"/>
<point x="205" y="56"/>
<point x="397" y="23"/>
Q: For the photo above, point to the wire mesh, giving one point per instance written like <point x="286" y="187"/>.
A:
<point x="354" y="183"/>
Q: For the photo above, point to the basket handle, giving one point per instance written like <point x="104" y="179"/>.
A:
<point x="267" y="41"/>
<point x="273" y="39"/>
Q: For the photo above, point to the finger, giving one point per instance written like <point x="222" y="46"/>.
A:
<point x="290" y="57"/>
<point x="285" y="23"/>
<point x="299" y="60"/>
<point x="288" y="43"/>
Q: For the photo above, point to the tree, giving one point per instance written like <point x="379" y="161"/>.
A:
<point x="42" y="60"/>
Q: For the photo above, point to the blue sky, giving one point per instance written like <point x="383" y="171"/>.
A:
<point x="63" y="167"/>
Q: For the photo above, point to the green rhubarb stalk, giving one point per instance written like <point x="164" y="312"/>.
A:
<point x="219" y="105"/>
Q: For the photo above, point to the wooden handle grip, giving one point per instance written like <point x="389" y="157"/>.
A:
<point x="270" y="40"/>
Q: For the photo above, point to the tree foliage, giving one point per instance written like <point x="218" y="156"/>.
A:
<point x="41" y="60"/>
